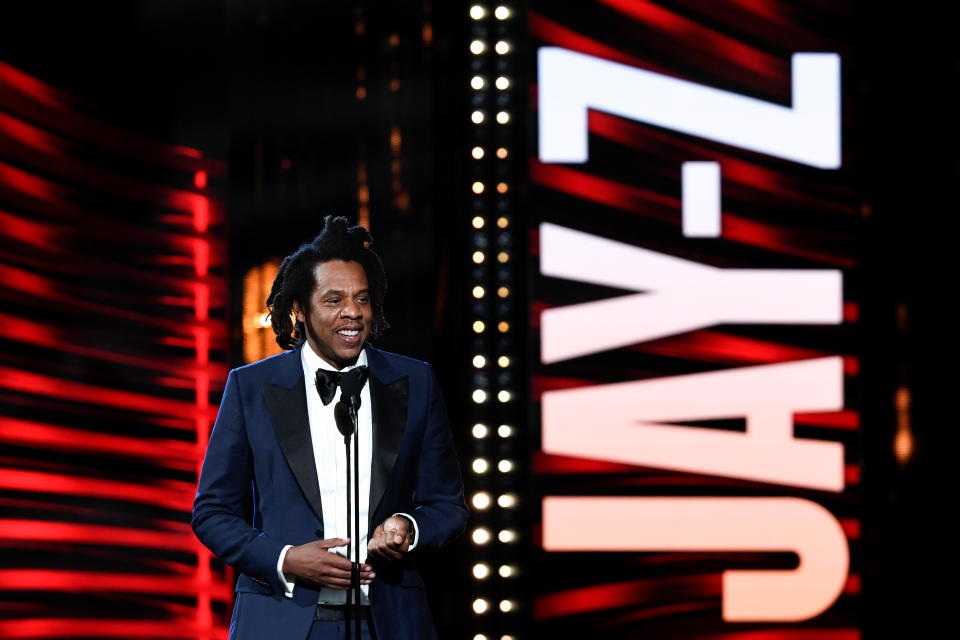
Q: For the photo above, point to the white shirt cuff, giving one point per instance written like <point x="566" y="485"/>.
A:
<point x="287" y="584"/>
<point x="416" y="531"/>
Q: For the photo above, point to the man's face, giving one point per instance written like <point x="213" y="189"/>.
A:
<point x="339" y="317"/>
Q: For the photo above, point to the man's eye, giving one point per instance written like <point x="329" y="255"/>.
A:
<point x="333" y="301"/>
<point x="363" y="299"/>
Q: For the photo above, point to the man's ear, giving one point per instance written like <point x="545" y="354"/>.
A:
<point x="298" y="312"/>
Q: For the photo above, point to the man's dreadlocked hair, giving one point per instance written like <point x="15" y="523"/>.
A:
<point x="295" y="280"/>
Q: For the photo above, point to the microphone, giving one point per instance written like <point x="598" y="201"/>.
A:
<point x="345" y="411"/>
<point x="341" y="413"/>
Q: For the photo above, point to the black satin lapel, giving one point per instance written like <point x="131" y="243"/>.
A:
<point x="288" y="412"/>
<point x="389" y="419"/>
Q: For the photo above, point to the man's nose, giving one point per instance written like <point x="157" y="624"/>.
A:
<point x="350" y="309"/>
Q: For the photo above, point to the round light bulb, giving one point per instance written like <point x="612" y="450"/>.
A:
<point x="507" y="501"/>
<point x="480" y="535"/>
<point x="481" y="500"/>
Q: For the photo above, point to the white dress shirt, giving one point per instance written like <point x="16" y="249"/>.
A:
<point x="329" y="453"/>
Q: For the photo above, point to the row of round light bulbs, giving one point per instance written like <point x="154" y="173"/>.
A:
<point x="478" y="117"/>
<point x="481" y="431"/>
<point x="482" y="605"/>
<point x="478" y="47"/>
<point x="482" y="536"/>
<point x="502" y="222"/>
<point x="479" y="82"/>
<point x="479" y="12"/>
<point x="482" y="500"/>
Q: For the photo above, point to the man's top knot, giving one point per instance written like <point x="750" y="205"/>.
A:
<point x="340" y="226"/>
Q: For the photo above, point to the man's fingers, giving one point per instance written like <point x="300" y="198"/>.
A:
<point x="330" y="543"/>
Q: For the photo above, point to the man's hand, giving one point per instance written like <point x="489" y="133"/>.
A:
<point x="314" y="563"/>
<point x="391" y="539"/>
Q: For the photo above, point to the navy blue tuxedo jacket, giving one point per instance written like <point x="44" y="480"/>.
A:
<point x="258" y="490"/>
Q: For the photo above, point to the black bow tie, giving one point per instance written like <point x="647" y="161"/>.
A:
<point x="328" y="381"/>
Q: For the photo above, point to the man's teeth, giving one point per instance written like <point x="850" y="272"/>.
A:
<point x="350" y="333"/>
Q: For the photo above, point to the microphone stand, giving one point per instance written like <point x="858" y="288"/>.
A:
<point x="345" y="413"/>
<point x="355" y="571"/>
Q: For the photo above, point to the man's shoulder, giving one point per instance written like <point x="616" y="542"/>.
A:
<point x="268" y="366"/>
<point x="393" y="365"/>
<point x="396" y="359"/>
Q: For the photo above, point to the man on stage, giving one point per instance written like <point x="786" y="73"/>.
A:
<point x="274" y="497"/>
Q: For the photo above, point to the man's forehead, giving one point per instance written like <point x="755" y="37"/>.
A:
<point x="339" y="274"/>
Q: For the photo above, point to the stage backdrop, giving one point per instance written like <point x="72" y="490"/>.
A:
<point x="113" y="349"/>
<point x="694" y="308"/>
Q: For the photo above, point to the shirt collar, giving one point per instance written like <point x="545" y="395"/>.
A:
<point x="312" y="362"/>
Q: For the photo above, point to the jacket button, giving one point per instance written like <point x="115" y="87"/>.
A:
<point x="318" y="533"/>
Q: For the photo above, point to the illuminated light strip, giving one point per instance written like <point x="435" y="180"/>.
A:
<point x="37" y="285"/>
<point x="93" y="581"/>
<point x="552" y="32"/>
<point x="59" y="388"/>
<point x="91" y="534"/>
<point x="41" y="102"/>
<point x="25" y="432"/>
<point x="711" y="45"/>
<point x="65" y="208"/>
<point x="32" y="145"/>
<point x="204" y="613"/>
<point x="621" y="594"/>
<point x="180" y="423"/>
<point x="37" y="628"/>
<point x="74" y="264"/>
<point x="653" y="205"/>
<point x="735" y="170"/>
<point x="22" y="134"/>
<point x="44" y="335"/>
<point x="169" y="494"/>
<point x="28" y="232"/>
<point x="550" y="464"/>
<point x="52" y="506"/>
